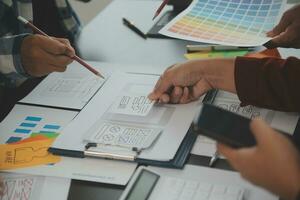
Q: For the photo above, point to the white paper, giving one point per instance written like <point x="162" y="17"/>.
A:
<point x="20" y="187"/>
<point x="133" y="104"/>
<point x="282" y="121"/>
<point x="233" y="23"/>
<point x="105" y="171"/>
<point x="210" y="176"/>
<point x="116" y="134"/>
<point x="70" y="89"/>
<point x="29" y="187"/>
<point x="175" y="120"/>
<point x="24" y="120"/>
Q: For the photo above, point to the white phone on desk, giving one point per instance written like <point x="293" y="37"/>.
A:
<point x="192" y="183"/>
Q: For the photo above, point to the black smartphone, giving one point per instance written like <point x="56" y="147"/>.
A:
<point x="225" y="127"/>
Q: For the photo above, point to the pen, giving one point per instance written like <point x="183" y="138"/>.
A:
<point x="79" y="60"/>
<point x="131" y="26"/>
<point x="164" y="3"/>
<point x="197" y="48"/>
<point x="213" y="159"/>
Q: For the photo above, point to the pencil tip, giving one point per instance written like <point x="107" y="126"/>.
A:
<point x="156" y="14"/>
<point x="98" y="74"/>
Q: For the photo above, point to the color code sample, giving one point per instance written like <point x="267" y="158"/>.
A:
<point x="31" y="126"/>
<point x="226" y="22"/>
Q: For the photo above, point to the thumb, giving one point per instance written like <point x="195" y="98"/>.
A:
<point x="228" y="152"/>
<point x="261" y="131"/>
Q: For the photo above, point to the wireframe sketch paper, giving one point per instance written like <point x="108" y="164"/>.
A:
<point x="31" y="187"/>
<point x="133" y="104"/>
<point x="234" y="23"/>
<point x="70" y="89"/>
<point x="19" y="186"/>
<point x="97" y="121"/>
<point x="117" y="134"/>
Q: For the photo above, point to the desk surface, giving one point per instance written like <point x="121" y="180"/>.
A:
<point x="106" y="39"/>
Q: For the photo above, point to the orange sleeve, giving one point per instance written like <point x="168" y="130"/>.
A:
<point x="269" y="82"/>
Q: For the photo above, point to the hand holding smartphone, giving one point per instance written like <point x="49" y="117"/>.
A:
<point x="225" y="127"/>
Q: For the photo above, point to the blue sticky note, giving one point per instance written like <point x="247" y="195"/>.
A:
<point x="19" y="130"/>
<point x="13" y="139"/>
<point x="35" y="119"/>
<point x="31" y="125"/>
<point x="49" y="126"/>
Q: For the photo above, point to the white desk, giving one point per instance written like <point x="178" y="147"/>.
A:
<point x="106" y="39"/>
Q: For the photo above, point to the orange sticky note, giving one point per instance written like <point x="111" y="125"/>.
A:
<point x="273" y="53"/>
<point x="26" y="154"/>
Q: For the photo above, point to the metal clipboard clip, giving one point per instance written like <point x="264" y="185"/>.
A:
<point x="111" y="152"/>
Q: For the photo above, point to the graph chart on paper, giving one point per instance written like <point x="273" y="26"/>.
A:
<point x="33" y="125"/>
<point x="226" y="22"/>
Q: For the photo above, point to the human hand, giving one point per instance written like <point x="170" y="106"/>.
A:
<point x="41" y="55"/>
<point x="287" y="32"/>
<point x="183" y="83"/>
<point x="273" y="164"/>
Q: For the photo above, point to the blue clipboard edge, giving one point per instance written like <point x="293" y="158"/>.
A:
<point x="178" y="161"/>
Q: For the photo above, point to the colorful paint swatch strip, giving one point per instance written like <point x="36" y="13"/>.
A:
<point x="226" y="22"/>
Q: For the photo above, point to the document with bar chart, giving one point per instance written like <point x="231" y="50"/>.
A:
<point x="227" y="22"/>
<point x="27" y="121"/>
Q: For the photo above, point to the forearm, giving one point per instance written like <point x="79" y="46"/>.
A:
<point x="220" y="74"/>
<point x="270" y="82"/>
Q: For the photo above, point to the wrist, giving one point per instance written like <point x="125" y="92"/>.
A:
<point x="219" y="73"/>
<point x="18" y="56"/>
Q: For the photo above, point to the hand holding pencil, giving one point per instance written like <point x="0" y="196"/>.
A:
<point x="42" y="54"/>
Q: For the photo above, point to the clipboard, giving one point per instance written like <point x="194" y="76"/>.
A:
<point x="177" y="162"/>
<point x="174" y="120"/>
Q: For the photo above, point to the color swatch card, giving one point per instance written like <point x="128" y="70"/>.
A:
<point x="226" y="22"/>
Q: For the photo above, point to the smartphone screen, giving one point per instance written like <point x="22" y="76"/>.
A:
<point x="225" y="127"/>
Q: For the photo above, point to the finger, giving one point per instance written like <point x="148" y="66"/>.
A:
<point x="176" y="94"/>
<point x="57" y="60"/>
<point x="164" y="98"/>
<point x="59" y="69"/>
<point x="230" y="153"/>
<point x="185" y="96"/>
<point x="52" y="46"/>
<point x="261" y="131"/>
<point x="162" y="86"/>
<point x="200" y="88"/>
<point x="280" y="41"/>
<point x="70" y="52"/>
<point x="238" y="158"/>
<point x="281" y="27"/>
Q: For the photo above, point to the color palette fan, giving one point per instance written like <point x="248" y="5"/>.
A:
<point x="226" y="22"/>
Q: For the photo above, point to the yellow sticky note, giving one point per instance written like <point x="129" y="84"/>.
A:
<point x="26" y="154"/>
<point x="214" y="54"/>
